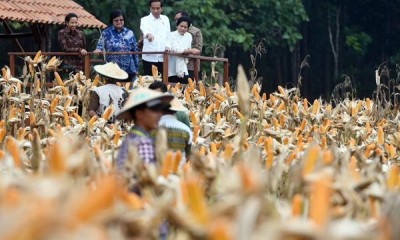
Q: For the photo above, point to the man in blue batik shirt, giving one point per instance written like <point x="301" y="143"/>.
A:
<point x="117" y="38"/>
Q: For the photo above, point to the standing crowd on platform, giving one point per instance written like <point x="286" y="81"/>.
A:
<point x="148" y="108"/>
<point x="156" y="36"/>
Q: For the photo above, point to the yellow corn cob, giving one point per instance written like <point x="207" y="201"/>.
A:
<point x="187" y="96"/>
<point x="58" y="79"/>
<point x="305" y="104"/>
<point x="372" y="207"/>
<point x="78" y="118"/>
<point x="178" y="86"/>
<point x="219" y="97"/>
<point x="66" y="119"/>
<point x="281" y="90"/>
<point x="64" y="91"/>
<point x="368" y="104"/>
<point x="193" y="118"/>
<point x="89" y="203"/>
<point x="202" y="151"/>
<point x="32" y="119"/>
<point x="116" y="137"/>
<point x="213" y="148"/>
<point x="209" y="109"/>
<point x="166" y="164"/>
<point x="275" y="122"/>
<point x="37" y="85"/>
<point x="96" y="80"/>
<point x="260" y="140"/>
<point x="239" y="114"/>
<point x="327" y="157"/>
<point x="92" y="120"/>
<point x="13" y="113"/>
<point x="67" y="102"/>
<point x="291" y="157"/>
<point x="217" y="104"/>
<point x="228" y="89"/>
<point x="196" y="201"/>
<point x="3" y="133"/>
<point x="264" y="97"/>
<point x="108" y="112"/>
<point x="328" y="109"/>
<point x="281" y="106"/>
<point x="269" y="159"/>
<point x="297" y="203"/>
<point x="202" y="91"/>
<point x="295" y="109"/>
<point x="323" y="142"/>
<point x="12" y="148"/>
<point x="196" y="130"/>
<point x="393" y="177"/>
<point x="392" y="151"/>
<point x="177" y="160"/>
<point x="381" y="136"/>
<point x="310" y="159"/>
<point x="219" y="230"/>
<point x="51" y="133"/>
<point x="52" y="61"/>
<point x="56" y="159"/>
<point x="54" y="104"/>
<point x="319" y="201"/>
<point x="303" y="124"/>
<point x="368" y="127"/>
<point x="191" y="85"/>
<point x="154" y="71"/>
<point x="255" y="93"/>
<point x="37" y="56"/>
<point x="282" y="120"/>
<point x="228" y="152"/>
<point x="272" y="99"/>
<point x="315" y="107"/>
<point x="355" y="110"/>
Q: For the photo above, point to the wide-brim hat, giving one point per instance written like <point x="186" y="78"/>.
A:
<point x="111" y="70"/>
<point x="140" y="96"/>
<point x="176" y="106"/>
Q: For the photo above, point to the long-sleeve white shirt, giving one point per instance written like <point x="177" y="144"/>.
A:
<point x="177" y="66"/>
<point x="160" y="28"/>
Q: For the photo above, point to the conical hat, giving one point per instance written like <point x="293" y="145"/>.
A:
<point x="176" y="105"/>
<point x="144" y="95"/>
<point x="111" y="70"/>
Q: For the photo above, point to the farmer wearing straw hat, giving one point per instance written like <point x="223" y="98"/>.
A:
<point x="110" y="93"/>
<point x="145" y="108"/>
<point x="178" y="134"/>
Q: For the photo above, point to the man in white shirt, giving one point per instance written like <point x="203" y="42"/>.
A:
<point x="155" y="28"/>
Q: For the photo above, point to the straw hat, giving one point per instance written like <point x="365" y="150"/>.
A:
<point x="111" y="70"/>
<point x="176" y="105"/>
<point x="144" y="95"/>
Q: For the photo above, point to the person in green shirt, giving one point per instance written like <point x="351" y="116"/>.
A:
<point x="180" y="115"/>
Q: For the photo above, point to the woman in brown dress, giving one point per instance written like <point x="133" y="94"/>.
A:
<point x="71" y="39"/>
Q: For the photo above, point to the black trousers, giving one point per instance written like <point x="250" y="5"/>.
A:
<point x="147" y="67"/>
<point x="176" y="79"/>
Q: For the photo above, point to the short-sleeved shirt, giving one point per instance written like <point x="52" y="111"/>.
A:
<point x="144" y="145"/>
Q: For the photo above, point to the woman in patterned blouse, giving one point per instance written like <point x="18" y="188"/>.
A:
<point x="71" y="39"/>
<point x="117" y="38"/>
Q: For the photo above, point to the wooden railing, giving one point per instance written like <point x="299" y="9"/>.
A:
<point x="88" y="61"/>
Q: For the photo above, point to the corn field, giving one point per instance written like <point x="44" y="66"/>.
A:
<point x="262" y="167"/>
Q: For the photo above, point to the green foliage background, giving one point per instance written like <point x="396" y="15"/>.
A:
<point x="290" y="30"/>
